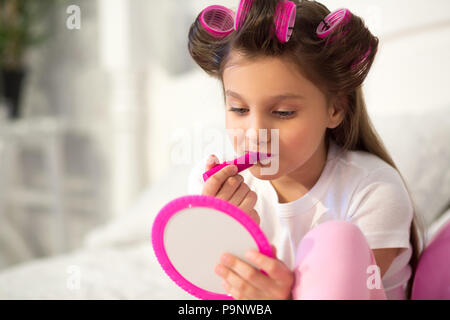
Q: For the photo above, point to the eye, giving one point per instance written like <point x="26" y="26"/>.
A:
<point x="238" y="110"/>
<point x="280" y="114"/>
<point x="284" y="114"/>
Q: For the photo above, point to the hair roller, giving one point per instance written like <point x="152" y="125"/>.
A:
<point x="333" y="21"/>
<point x="208" y="37"/>
<point x="284" y="18"/>
<point x="327" y="29"/>
<point x="241" y="13"/>
<point x="217" y="20"/>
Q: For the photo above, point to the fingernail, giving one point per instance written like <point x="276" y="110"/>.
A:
<point x="233" y="169"/>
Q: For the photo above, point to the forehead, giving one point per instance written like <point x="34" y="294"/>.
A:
<point x="264" y="74"/>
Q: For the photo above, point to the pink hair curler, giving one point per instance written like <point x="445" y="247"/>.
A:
<point x="284" y="18"/>
<point x="241" y="14"/>
<point x="217" y="20"/>
<point x="244" y="162"/>
<point x="333" y="21"/>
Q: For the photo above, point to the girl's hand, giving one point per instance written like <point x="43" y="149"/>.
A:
<point x="244" y="282"/>
<point x="227" y="185"/>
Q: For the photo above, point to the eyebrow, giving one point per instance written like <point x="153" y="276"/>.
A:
<point x="277" y="98"/>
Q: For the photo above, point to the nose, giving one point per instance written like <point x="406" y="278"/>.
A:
<point x="258" y="137"/>
<point x="257" y="133"/>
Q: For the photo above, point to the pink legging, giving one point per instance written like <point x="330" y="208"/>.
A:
<point x="332" y="262"/>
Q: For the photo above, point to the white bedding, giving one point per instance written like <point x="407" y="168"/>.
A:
<point x="107" y="273"/>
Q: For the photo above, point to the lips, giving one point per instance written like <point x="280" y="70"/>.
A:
<point x="261" y="158"/>
<point x="262" y="155"/>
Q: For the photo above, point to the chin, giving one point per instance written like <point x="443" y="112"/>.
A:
<point x="256" y="172"/>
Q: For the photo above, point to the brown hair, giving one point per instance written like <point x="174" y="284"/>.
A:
<point x="333" y="64"/>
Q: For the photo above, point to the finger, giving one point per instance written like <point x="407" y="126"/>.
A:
<point x="254" y="215"/>
<point x="211" y="162"/>
<point x="226" y="286"/>
<point x="246" y="272"/>
<point x="215" y="182"/>
<point x="239" y="194"/>
<point x="249" y="294"/>
<point x="249" y="202"/>
<point x="276" y="269"/>
<point x="274" y="250"/>
<point x="230" y="290"/>
<point x="229" y="187"/>
<point x="239" y="288"/>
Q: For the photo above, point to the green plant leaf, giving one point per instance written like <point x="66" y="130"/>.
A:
<point x="22" y="25"/>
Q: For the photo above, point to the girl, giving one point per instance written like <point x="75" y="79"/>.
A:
<point x="337" y="210"/>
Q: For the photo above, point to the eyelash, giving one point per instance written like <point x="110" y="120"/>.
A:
<point x="280" y="113"/>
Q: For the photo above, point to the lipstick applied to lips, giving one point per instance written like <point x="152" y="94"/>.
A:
<point x="243" y="162"/>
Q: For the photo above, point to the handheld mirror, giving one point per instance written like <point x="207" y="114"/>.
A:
<point x="190" y="234"/>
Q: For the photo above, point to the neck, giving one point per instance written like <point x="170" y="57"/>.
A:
<point x="297" y="183"/>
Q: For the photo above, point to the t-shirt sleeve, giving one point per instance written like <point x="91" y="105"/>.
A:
<point x="383" y="210"/>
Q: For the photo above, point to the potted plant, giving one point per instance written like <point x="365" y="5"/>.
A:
<point x="22" y="25"/>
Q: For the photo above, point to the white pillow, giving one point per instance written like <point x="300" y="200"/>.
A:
<point x="436" y="226"/>
<point x="419" y="145"/>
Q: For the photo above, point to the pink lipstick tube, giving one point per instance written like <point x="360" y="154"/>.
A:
<point x="242" y="163"/>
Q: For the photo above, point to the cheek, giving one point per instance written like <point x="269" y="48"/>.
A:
<point x="300" y="138"/>
<point x="294" y="136"/>
<point x="231" y="121"/>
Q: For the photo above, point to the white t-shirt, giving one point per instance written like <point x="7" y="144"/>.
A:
<point x="354" y="186"/>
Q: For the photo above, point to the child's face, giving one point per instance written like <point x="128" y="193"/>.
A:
<point x="269" y="93"/>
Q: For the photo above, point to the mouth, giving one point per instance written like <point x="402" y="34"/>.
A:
<point x="263" y="159"/>
<point x="262" y="154"/>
